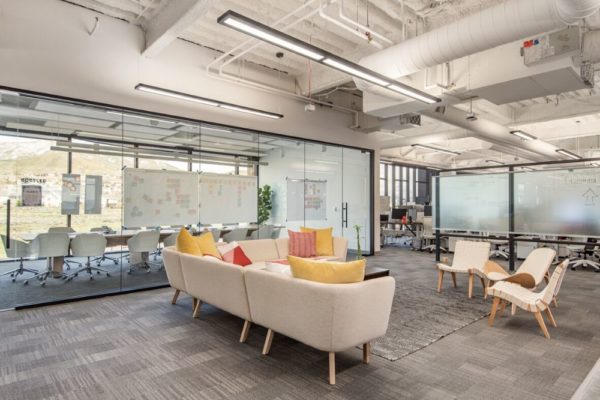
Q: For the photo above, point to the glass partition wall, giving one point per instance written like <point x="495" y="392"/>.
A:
<point x="79" y="178"/>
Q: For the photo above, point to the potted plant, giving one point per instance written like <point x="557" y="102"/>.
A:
<point x="265" y="203"/>
<point x="358" y="249"/>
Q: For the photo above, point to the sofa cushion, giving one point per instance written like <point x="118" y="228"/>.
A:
<point x="187" y="244"/>
<point x="260" y="249"/>
<point x="302" y="244"/>
<point x="328" y="271"/>
<point x="233" y="253"/>
<point x="324" y="240"/>
<point x="278" y="267"/>
<point x="206" y="244"/>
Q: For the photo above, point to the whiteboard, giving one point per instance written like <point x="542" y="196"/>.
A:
<point x="228" y="198"/>
<point x="306" y="200"/>
<point x="160" y="198"/>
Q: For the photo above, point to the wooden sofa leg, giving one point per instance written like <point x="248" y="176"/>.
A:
<point x="471" y="279"/>
<point x="440" y="280"/>
<point x="197" y="309"/>
<point x="175" y="296"/>
<point x="454" y="279"/>
<point x="493" y="312"/>
<point x="245" y="331"/>
<point x="268" y="341"/>
<point x="194" y="304"/>
<point x="540" y="320"/>
<point x="367" y="353"/>
<point x="331" y="368"/>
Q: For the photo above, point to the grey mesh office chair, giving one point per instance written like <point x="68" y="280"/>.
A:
<point x="263" y="232"/>
<point x="140" y="246"/>
<point x="171" y="240"/>
<point x="235" y="235"/>
<point x="216" y="234"/>
<point x="17" y="249"/>
<point x="98" y="260"/>
<point x="88" y="245"/>
<point x="276" y="233"/>
<point x="49" y="245"/>
<point x="64" y="229"/>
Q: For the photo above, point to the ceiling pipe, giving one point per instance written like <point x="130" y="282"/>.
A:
<point x="507" y="22"/>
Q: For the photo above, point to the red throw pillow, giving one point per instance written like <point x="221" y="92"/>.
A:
<point x="303" y="244"/>
<point x="234" y="254"/>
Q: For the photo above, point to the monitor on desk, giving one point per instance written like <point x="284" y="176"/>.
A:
<point x="428" y="211"/>
<point x="398" y="213"/>
<point x="384" y="217"/>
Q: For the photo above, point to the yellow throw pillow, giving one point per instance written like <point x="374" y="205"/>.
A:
<point x="187" y="244"/>
<point x="324" y="240"/>
<point x="328" y="271"/>
<point x="206" y="244"/>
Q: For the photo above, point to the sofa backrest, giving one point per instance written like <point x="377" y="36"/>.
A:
<point x="283" y="247"/>
<point x="340" y="247"/>
<point x="173" y="268"/>
<point x="216" y="282"/>
<point x="260" y="249"/>
<point x="328" y="317"/>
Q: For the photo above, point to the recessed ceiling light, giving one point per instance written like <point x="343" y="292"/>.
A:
<point x="569" y="154"/>
<point x="210" y="102"/>
<point x="278" y="38"/>
<point x="523" y="135"/>
<point x="427" y="147"/>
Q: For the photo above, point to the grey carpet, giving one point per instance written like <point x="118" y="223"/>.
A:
<point x="590" y="387"/>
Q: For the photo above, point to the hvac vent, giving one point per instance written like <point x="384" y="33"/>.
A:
<point x="557" y="44"/>
<point x="587" y="74"/>
<point x="370" y="124"/>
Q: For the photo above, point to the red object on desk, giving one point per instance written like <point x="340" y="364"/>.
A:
<point x="404" y="219"/>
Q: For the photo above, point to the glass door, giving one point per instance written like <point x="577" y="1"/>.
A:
<point x="356" y="200"/>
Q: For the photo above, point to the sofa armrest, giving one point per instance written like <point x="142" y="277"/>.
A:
<point x="328" y="317"/>
<point x="340" y="247"/>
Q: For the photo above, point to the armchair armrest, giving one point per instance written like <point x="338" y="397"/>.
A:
<point x="522" y="278"/>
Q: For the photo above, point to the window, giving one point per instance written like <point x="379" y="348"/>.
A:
<point x="404" y="184"/>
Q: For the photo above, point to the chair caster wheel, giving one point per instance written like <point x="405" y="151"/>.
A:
<point x="128" y="272"/>
<point x="43" y="283"/>
<point x="26" y="283"/>
<point x="572" y="268"/>
<point x="91" y="278"/>
<point x="97" y="264"/>
<point x="12" y="274"/>
<point x="116" y="262"/>
<point x="77" y="274"/>
<point x="107" y="274"/>
<point x="98" y="272"/>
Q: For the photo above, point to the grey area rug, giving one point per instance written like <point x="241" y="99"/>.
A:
<point x="421" y="316"/>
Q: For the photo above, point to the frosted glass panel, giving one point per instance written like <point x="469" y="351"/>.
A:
<point x="563" y="202"/>
<point x="474" y="203"/>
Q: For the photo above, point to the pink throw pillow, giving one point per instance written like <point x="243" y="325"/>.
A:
<point x="303" y="244"/>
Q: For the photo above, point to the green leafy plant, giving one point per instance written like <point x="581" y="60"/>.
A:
<point x="358" y="249"/>
<point x="265" y="203"/>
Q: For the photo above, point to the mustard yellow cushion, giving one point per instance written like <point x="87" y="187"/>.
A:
<point x="328" y="271"/>
<point x="187" y="244"/>
<point x="324" y="240"/>
<point x="206" y="244"/>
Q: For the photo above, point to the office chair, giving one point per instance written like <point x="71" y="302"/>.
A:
<point x="49" y="245"/>
<point x="235" y="235"/>
<point x="428" y="236"/>
<point x="263" y="232"/>
<point x="276" y="233"/>
<point x="143" y="243"/>
<point x="500" y="248"/>
<point x="98" y="260"/>
<point x="170" y="240"/>
<point x="216" y="234"/>
<point x="576" y="252"/>
<point x="88" y="245"/>
<point x="67" y="230"/>
<point x="17" y="249"/>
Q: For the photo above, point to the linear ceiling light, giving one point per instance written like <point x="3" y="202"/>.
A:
<point x="569" y="154"/>
<point x="426" y="147"/>
<point x="209" y="102"/>
<point x="280" y="39"/>
<point x="165" y="121"/>
<point x="523" y="135"/>
<point x="494" y="162"/>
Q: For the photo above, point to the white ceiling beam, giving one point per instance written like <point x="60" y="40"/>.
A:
<point x="166" y="26"/>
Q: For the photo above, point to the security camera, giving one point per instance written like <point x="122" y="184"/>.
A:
<point x="471" y="117"/>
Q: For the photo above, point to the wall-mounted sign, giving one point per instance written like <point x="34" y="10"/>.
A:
<point x="71" y="190"/>
<point x="31" y="196"/>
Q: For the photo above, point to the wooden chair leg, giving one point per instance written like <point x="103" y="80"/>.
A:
<point x="484" y="287"/>
<point x="471" y="278"/>
<point x="513" y="309"/>
<point x="540" y="320"/>
<point x="454" y="279"/>
<point x="493" y="312"/>
<point x="502" y="307"/>
<point x="268" y="341"/>
<point x="367" y="353"/>
<point x="555" y="302"/>
<point x="197" y="309"/>
<point x="440" y="280"/>
<point x="551" y="317"/>
<point x="331" y="368"/>
<point x="194" y="303"/>
<point x="175" y="296"/>
<point x="245" y="331"/>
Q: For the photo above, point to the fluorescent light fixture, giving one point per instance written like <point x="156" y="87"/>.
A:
<point x="164" y="121"/>
<point x="569" y="154"/>
<point x="595" y="164"/>
<point x="260" y="31"/>
<point x="523" y="135"/>
<point x="427" y="147"/>
<point x="263" y="32"/>
<point x="494" y="162"/>
<point x="349" y="69"/>
<point x="215" y="103"/>
<point x="412" y="93"/>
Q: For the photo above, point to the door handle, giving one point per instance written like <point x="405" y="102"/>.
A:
<point x="7" y="244"/>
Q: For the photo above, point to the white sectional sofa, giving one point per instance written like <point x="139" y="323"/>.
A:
<point x="328" y="317"/>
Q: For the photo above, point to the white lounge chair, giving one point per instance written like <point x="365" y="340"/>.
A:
<point x="528" y="300"/>
<point x="469" y="258"/>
